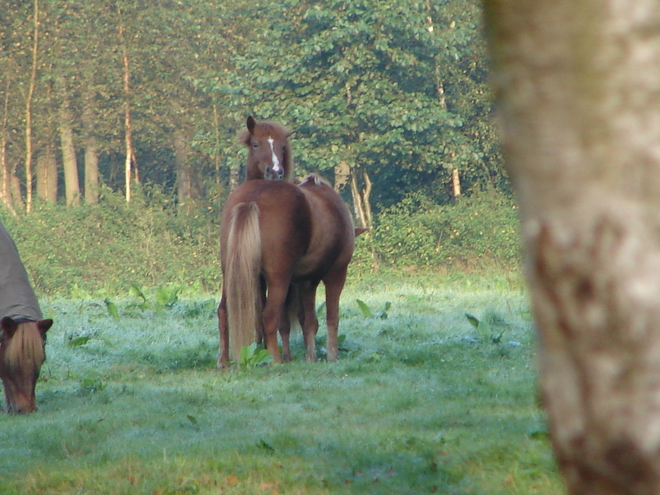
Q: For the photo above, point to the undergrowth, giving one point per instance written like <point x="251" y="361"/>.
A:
<point x="102" y="250"/>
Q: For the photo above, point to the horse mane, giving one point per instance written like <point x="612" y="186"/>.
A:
<point x="319" y="180"/>
<point x="25" y="348"/>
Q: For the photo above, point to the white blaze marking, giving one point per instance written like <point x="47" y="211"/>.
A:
<point x="276" y="161"/>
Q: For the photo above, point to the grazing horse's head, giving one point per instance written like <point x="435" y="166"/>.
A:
<point x="269" y="151"/>
<point x="21" y="356"/>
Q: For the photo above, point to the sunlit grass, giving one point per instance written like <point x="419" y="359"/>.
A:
<point x="418" y="403"/>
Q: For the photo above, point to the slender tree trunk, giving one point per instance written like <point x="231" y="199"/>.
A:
<point x="47" y="175"/>
<point x="91" y="148"/>
<point x="362" y="205"/>
<point x="440" y="90"/>
<point x="4" y="178"/>
<point x="577" y="82"/>
<point x="183" y="176"/>
<point x="455" y="183"/>
<point x="69" y="161"/>
<point x="128" y="127"/>
<point x="28" y="108"/>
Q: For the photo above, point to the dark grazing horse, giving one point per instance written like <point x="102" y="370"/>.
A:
<point x="269" y="151"/>
<point x="23" y="336"/>
<point x="285" y="236"/>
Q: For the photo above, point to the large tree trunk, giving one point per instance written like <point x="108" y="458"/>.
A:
<point x="577" y="82"/>
<point x="69" y="161"/>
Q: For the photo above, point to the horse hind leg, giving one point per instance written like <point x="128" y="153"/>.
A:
<point x="288" y="317"/>
<point x="309" y="321"/>
<point x="334" y="284"/>
<point x="223" y="329"/>
<point x="275" y="306"/>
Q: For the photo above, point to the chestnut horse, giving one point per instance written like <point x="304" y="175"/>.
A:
<point x="269" y="151"/>
<point x="23" y="331"/>
<point x="281" y="235"/>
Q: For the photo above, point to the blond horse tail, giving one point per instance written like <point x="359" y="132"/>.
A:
<point x="242" y="288"/>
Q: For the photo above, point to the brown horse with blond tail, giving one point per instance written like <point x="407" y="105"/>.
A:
<point x="278" y="236"/>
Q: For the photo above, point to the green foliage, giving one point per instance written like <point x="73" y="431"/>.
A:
<point x="252" y="356"/>
<point x="156" y="254"/>
<point x="366" y="310"/>
<point x="113" y="311"/>
<point x="476" y="231"/>
<point x="490" y="329"/>
<point x="113" y="247"/>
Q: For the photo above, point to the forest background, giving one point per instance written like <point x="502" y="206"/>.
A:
<point x="118" y="123"/>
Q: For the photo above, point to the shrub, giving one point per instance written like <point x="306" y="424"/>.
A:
<point x="111" y="246"/>
<point x="481" y="230"/>
<point x="105" y="249"/>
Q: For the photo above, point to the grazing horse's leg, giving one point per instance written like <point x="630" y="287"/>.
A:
<point x="309" y="323"/>
<point x="275" y="306"/>
<point x="334" y="284"/>
<point x="223" y="357"/>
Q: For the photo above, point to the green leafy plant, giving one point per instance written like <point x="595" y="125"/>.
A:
<point x="78" y="341"/>
<point x="490" y="329"/>
<point x="113" y="311"/>
<point x="366" y="310"/>
<point x="167" y="296"/>
<point x="135" y="290"/>
<point x="90" y="385"/>
<point x="252" y="356"/>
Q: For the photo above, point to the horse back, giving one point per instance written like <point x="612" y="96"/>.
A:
<point x="332" y="234"/>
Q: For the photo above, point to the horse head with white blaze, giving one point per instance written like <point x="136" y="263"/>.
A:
<point x="269" y="151"/>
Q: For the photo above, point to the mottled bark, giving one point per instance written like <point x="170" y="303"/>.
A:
<point x="579" y="99"/>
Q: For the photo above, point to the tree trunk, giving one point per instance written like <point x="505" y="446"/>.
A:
<point x="362" y="205"/>
<point x="28" y="107"/>
<point x="91" y="148"/>
<point x="578" y="88"/>
<point x="5" y="194"/>
<point x="47" y="175"/>
<point x="455" y="183"/>
<point x="342" y="175"/>
<point x="183" y="176"/>
<point x="234" y="179"/>
<point x="129" y="162"/>
<point x="69" y="161"/>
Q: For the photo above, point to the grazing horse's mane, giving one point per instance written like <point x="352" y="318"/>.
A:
<point x="25" y="349"/>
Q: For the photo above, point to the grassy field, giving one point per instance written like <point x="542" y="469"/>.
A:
<point x="421" y="401"/>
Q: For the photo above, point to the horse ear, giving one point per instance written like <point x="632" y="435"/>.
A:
<point x="251" y="123"/>
<point x="9" y="326"/>
<point x="44" y="325"/>
<point x="289" y="135"/>
<point x="359" y="230"/>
